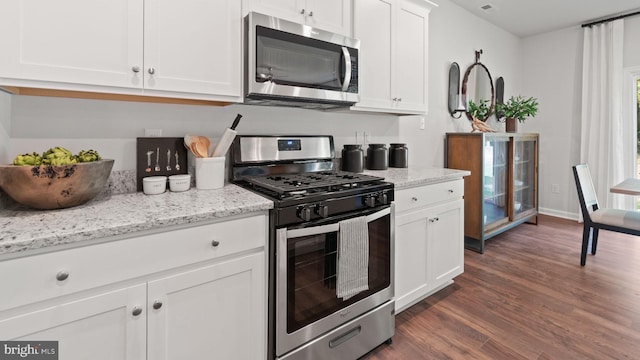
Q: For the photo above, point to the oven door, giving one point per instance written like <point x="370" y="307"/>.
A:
<point x="307" y="304"/>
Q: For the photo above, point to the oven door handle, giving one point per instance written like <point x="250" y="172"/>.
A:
<point x="323" y="229"/>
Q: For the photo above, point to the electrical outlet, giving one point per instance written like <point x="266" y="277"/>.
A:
<point x="421" y="123"/>
<point x="152" y="132"/>
<point x="555" y="188"/>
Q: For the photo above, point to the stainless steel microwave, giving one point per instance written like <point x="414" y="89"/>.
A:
<point x="291" y="64"/>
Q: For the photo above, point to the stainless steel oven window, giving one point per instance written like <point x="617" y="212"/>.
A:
<point x="306" y="301"/>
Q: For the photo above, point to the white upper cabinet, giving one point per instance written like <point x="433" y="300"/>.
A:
<point x="189" y="49"/>
<point x="330" y="15"/>
<point x="193" y="46"/>
<point x="394" y="52"/>
<point x="71" y="42"/>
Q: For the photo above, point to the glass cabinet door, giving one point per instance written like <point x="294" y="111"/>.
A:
<point x="495" y="177"/>
<point x="524" y="176"/>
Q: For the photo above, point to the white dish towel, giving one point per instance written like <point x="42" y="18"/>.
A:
<point x="353" y="257"/>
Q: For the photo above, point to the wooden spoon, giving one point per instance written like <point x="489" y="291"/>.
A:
<point x="204" y="144"/>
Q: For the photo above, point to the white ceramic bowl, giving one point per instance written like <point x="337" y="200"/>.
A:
<point x="154" y="185"/>
<point x="179" y="182"/>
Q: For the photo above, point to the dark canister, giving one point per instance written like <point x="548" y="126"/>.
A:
<point x="377" y="157"/>
<point x="352" y="158"/>
<point x="398" y="155"/>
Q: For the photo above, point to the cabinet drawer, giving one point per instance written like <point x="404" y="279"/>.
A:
<point x="407" y="199"/>
<point x="40" y="277"/>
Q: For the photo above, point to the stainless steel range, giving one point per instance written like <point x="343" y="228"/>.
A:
<point x="330" y="247"/>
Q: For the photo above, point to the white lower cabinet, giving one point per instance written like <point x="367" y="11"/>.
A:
<point x="196" y="293"/>
<point x="98" y="327"/>
<point x="212" y="312"/>
<point x="429" y="242"/>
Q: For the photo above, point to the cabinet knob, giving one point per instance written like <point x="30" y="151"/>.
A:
<point x="215" y="243"/>
<point x="432" y="220"/>
<point x="414" y="199"/>
<point x="157" y="304"/>
<point x="152" y="71"/>
<point x="399" y="99"/>
<point x="62" y="275"/>
<point x="310" y="13"/>
<point x="302" y="12"/>
<point x="135" y="69"/>
<point x="394" y="99"/>
<point x="450" y="191"/>
<point x="136" y="311"/>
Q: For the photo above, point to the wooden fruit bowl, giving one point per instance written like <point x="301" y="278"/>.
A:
<point x="55" y="187"/>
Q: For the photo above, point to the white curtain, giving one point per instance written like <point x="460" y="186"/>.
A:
<point x="605" y="142"/>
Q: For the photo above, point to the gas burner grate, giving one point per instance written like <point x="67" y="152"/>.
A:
<point x="316" y="182"/>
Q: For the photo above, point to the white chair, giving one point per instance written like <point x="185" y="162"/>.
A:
<point x="596" y="218"/>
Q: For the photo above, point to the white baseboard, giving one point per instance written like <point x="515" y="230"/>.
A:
<point x="557" y="213"/>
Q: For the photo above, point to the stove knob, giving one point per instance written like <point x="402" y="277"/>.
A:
<point x="322" y="210"/>
<point x="370" y="201"/>
<point x="383" y="198"/>
<point x="304" y="213"/>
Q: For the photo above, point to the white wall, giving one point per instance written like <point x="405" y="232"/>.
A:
<point x="631" y="36"/>
<point x="553" y="73"/>
<point x="111" y="127"/>
<point x="5" y="126"/>
<point x="454" y="35"/>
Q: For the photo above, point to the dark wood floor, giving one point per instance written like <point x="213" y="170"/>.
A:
<point x="527" y="297"/>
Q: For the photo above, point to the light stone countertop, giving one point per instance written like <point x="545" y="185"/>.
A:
<point x="414" y="176"/>
<point x="36" y="231"/>
<point x="121" y="215"/>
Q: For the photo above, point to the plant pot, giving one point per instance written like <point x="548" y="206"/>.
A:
<point x="511" y="125"/>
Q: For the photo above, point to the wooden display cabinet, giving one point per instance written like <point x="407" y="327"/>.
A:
<point x="502" y="190"/>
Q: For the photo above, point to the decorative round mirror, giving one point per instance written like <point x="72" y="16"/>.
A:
<point x="477" y="91"/>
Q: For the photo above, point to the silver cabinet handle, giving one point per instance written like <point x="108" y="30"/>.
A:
<point x="414" y="199"/>
<point x="157" y="304"/>
<point x="62" y="275"/>
<point x="136" y="311"/>
<point x="135" y="69"/>
<point x="215" y="243"/>
<point x="152" y="71"/>
<point x="302" y="12"/>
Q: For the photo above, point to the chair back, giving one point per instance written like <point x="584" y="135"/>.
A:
<point x="586" y="191"/>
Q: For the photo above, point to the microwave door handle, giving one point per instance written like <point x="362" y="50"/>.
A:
<point x="347" y="68"/>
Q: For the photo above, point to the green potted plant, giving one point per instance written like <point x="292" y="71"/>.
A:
<point x="517" y="108"/>
<point x="480" y="110"/>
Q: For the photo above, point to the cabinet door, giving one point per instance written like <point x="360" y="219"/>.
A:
<point x="71" y="42"/>
<point x="283" y="9"/>
<point x="445" y="244"/>
<point x="215" y="310"/>
<point x="193" y="46"/>
<point x="525" y="200"/>
<point x="330" y="15"/>
<point x="411" y="277"/>
<point x="410" y="61"/>
<point x="101" y="327"/>
<point x="375" y="52"/>
<point x="495" y="176"/>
